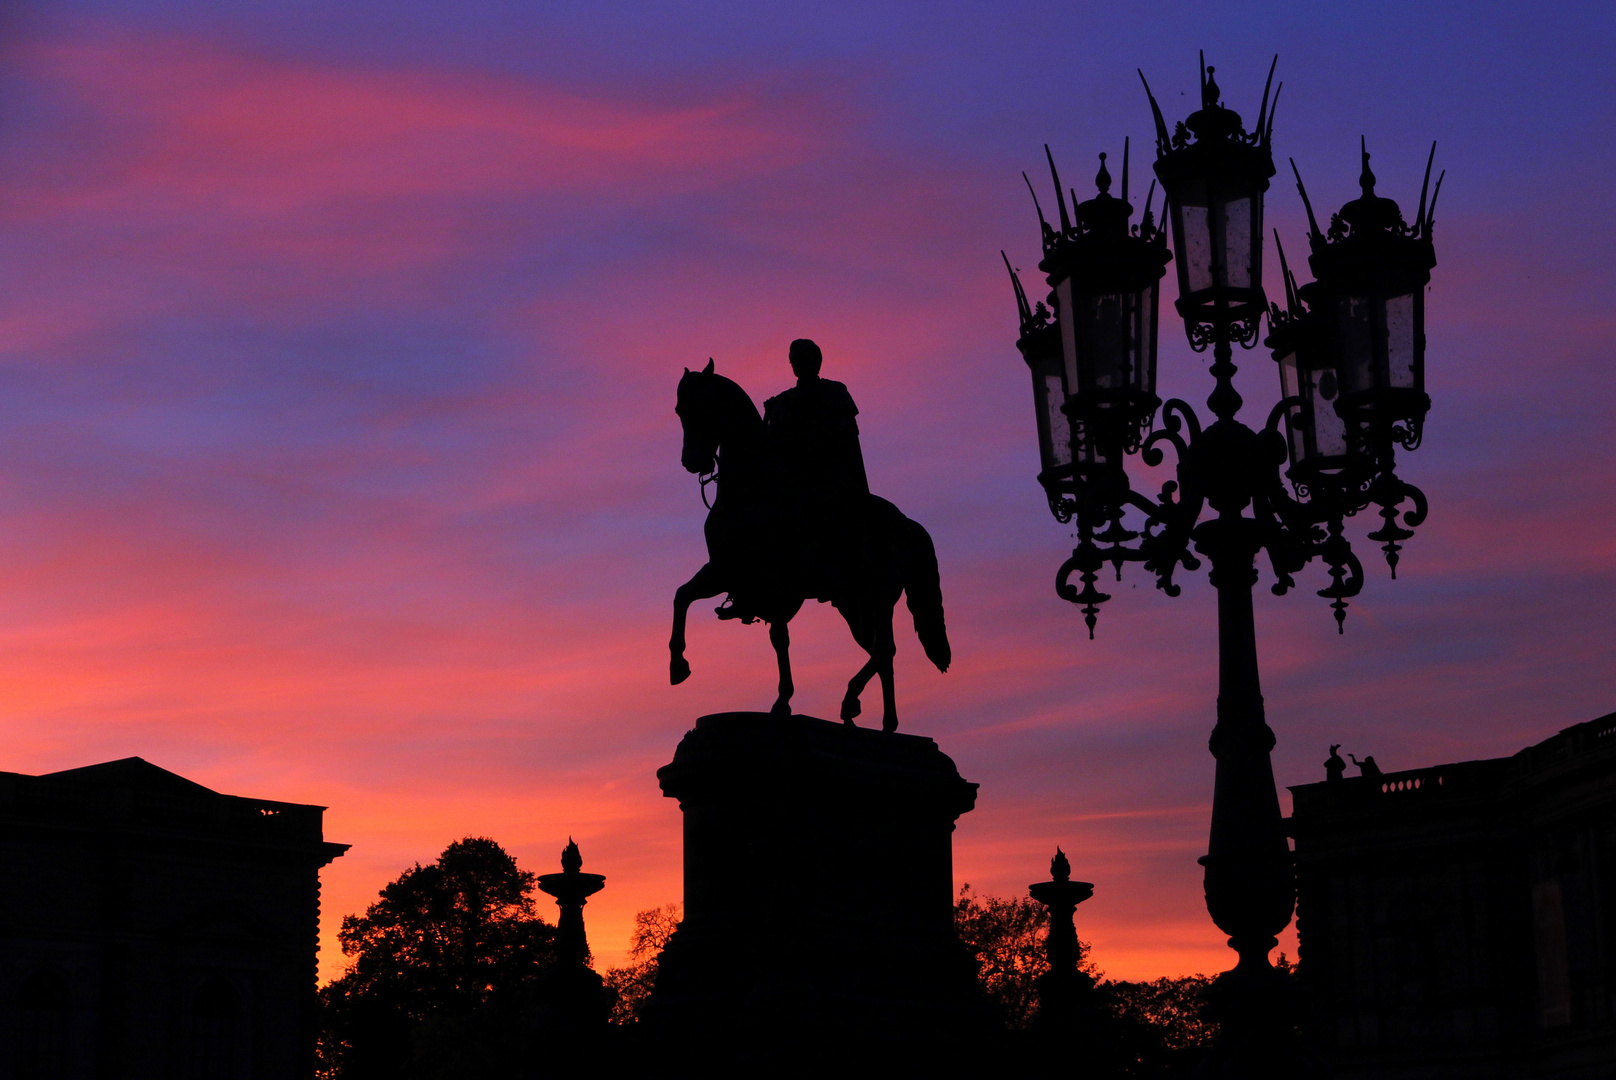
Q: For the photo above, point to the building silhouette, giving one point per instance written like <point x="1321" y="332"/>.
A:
<point x="152" y="928"/>
<point x="1458" y="921"/>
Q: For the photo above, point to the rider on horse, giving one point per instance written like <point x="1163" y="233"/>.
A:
<point x="814" y="437"/>
<point x="794" y="520"/>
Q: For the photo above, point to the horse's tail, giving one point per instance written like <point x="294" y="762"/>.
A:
<point x="924" y="590"/>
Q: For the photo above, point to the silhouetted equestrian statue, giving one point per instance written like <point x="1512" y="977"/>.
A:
<point x="793" y="520"/>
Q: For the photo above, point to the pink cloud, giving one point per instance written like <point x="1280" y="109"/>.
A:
<point x="266" y="136"/>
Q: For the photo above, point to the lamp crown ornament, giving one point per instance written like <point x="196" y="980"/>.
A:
<point x="1371" y="269"/>
<point x="1371" y="229"/>
<point x="572" y="860"/>
<point x="1060" y="869"/>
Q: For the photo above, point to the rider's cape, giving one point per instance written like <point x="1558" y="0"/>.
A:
<point x="814" y="439"/>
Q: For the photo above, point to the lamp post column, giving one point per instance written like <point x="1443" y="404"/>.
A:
<point x="1249" y="884"/>
<point x="1249" y="879"/>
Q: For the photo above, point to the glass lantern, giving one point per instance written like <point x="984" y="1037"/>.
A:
<point x="1374" y="268"/>
<point x="1215" y="186"/>
<point x="1323" y="444"/>
<point x="1106" y="280"/>
<point x="1383" y="354"/>
<point x="1040" y="347"/>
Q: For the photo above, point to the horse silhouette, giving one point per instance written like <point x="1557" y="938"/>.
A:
<point x="753" y="555"/>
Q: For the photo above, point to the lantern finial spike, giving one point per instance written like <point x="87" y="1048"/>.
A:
<point x="1209" y="89"/>
<point x="1312" y="222"/>
<point x="1125" y="169"/>
<point x="1202" y="54"/>
<point x="1022" y="307"/>
<point x="1273" y="108"/>
<point x="1291" y="300"/>
<point x="1102" y="179"/>
<point x="1034" y="193"/>
<point x="1366" y="179"/>
<point x="1430" y="214"/>
<point x="1420" y="227"/>
<point x="1162" y="140"/>
<point x="1060" y="193"/>
<point x="1262" y="112"/>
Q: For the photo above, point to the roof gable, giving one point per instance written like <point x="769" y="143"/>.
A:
<point x="131" y="772"/>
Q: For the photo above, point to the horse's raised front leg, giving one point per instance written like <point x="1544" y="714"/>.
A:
<point x="705" y="583"/>
<point x="855" y="686"/>
<point x="780" y="638"/>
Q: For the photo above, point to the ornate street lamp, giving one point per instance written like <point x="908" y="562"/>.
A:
<point x="1372" y="270"/>
<point x="1350" y="352"/>
<point x="1097" y="350"/>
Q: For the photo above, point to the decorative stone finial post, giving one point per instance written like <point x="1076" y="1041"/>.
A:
<point x="1063" y="988"/>
<point x="571" y="987"/>
<point x="571" y="888"/>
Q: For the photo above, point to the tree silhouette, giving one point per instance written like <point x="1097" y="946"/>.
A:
<point x="632" y="984"/>
<point x="444" y="949"/>
<point x="1165" y="1013"/>
<point x="1160" y="1022"/>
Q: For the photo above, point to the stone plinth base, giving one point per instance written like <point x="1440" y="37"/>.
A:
<point x="818" y="888"/>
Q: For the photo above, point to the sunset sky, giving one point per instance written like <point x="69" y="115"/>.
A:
<point x="338" y="462"/>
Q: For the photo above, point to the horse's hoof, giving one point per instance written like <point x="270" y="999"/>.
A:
<point x="889" y="723"/>
<point x="850" y="709"/>
<point x="678" y="670"/>
<point x="781" y="708"/>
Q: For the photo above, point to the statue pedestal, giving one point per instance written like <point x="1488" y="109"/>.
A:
<point x="818" y="891"/>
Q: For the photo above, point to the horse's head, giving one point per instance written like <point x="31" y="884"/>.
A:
<point x="698" y="412"/>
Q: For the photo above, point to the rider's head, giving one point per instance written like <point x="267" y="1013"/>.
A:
<point x="805" y="359"/>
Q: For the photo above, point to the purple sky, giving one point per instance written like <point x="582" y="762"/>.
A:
<point x="337" y="355"/>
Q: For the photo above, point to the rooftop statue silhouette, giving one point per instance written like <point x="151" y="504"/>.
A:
<point x="1367" y="766"/>
<point x="793" y="520"/>
<point x="1334" y="767"/>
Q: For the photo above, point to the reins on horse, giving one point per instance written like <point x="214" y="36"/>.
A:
<point x="709" y="478"/>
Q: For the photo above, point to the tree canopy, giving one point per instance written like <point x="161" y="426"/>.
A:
<point x="1006" y="935"/>
<point x="442" y="944"/>
<point x="632" y="984"/>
